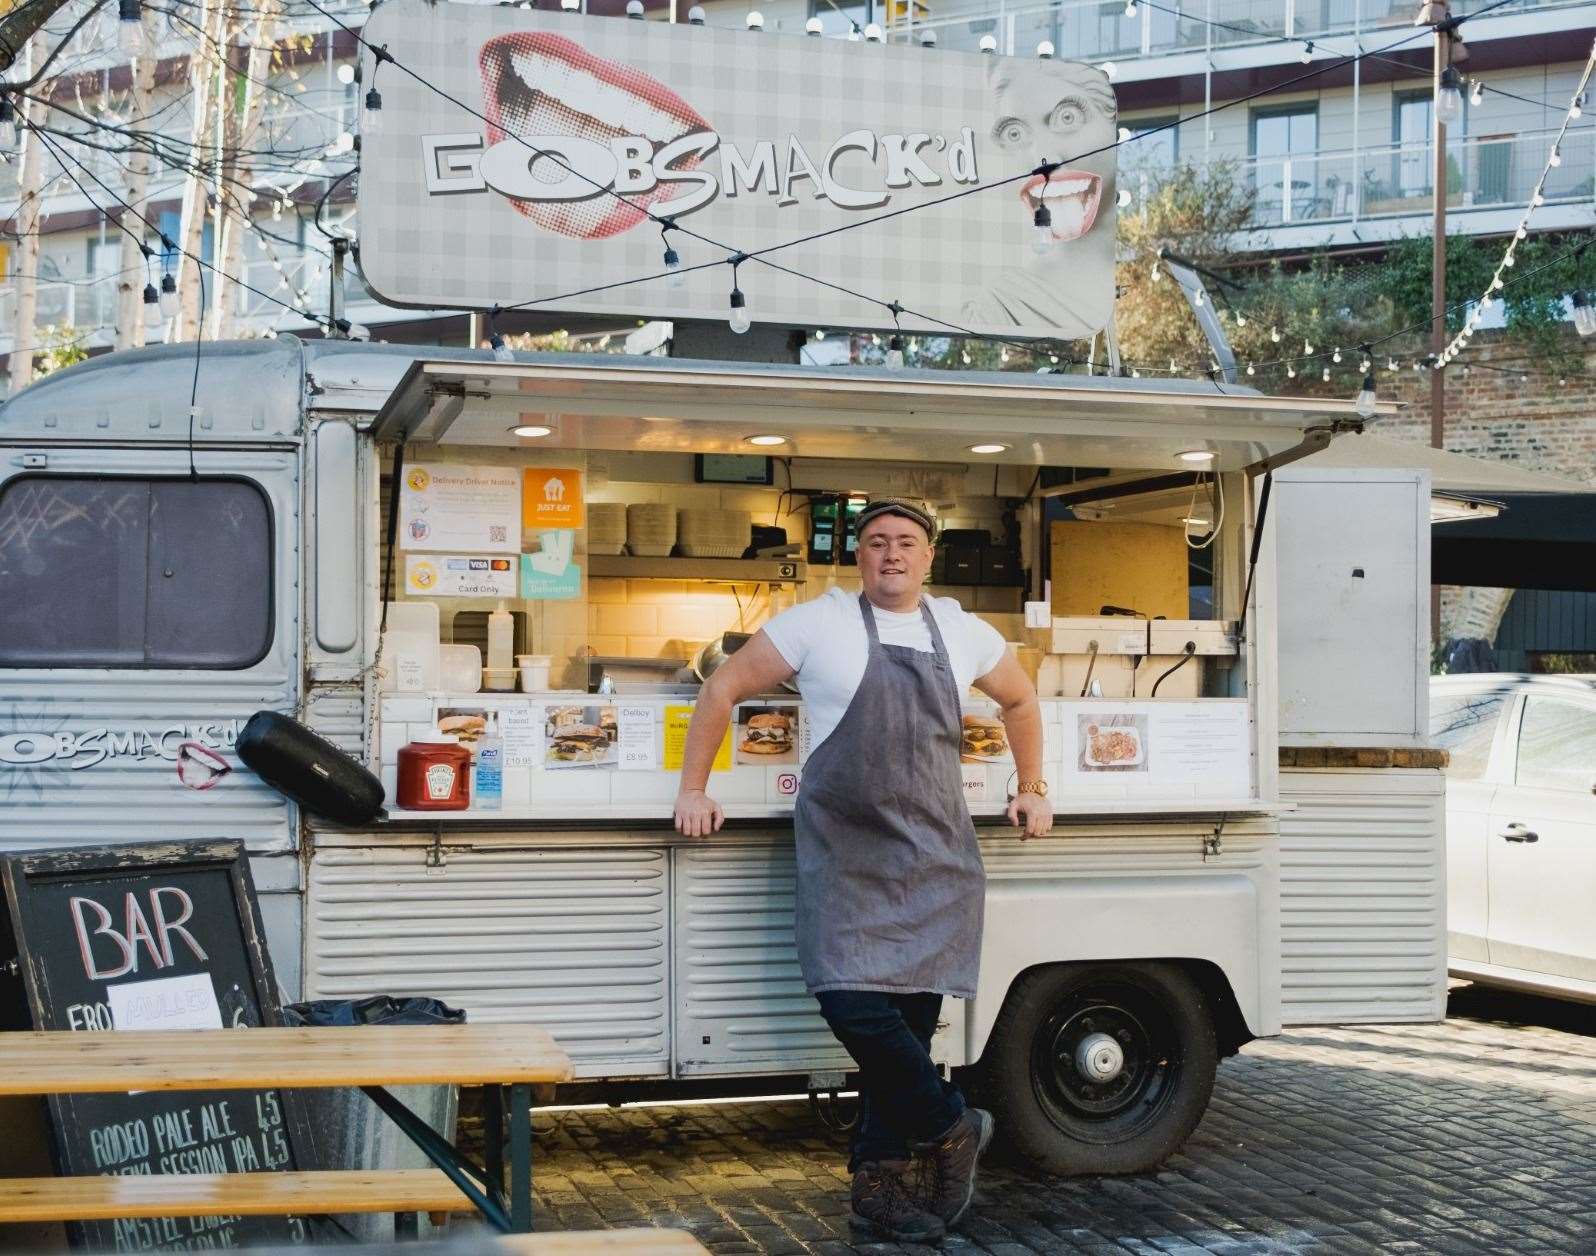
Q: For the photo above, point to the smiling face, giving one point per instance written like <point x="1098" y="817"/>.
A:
<point x="1048" y="111"/>
<point x="894" y="561"/>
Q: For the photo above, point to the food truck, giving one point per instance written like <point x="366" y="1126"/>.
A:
<point x="1247" y="834"/>
<point x="498" y="581"/>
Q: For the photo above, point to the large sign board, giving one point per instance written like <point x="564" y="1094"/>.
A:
<point x="749" y="139"/>
<point x="151" y="936"/>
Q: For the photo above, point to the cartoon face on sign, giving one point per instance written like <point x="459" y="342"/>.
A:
<point x="1050" y="111"/>
<point x="547" y="90"/>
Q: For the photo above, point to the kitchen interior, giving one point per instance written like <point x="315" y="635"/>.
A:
<point x="1104" y="583"/>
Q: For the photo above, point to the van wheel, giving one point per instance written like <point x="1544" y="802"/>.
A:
<point x="1100" y="1068"/>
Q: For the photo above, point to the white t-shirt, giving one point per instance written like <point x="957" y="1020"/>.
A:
<point x="824" y="641"/>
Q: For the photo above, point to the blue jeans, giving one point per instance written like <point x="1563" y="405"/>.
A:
<point x="902" y="1100"/>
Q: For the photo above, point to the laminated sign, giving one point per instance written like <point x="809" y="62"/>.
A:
<point x="551" y="497"/>
<point x="574" y="136"/>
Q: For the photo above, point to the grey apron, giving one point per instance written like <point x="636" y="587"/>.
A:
<point x="891" y="891"/>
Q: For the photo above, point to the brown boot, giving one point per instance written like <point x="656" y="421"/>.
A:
<point x="884" y="1210"/>
<point x="946" y="1182"/>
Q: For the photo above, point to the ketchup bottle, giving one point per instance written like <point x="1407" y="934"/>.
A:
<point x="434" y="774"/>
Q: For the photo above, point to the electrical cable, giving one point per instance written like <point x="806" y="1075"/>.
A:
<point x="1187" y="652"/>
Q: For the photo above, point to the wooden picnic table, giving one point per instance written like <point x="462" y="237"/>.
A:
<point x="507" y="1059"/>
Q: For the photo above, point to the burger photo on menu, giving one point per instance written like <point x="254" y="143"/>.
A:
<point x="467" y="725"/>
<point x="766" y="735"/>
<point x="579" y="737"/>
<point x="984" y="740"/>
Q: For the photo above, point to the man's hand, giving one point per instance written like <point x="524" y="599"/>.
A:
<point x="697" y="814"/>
<point x="1031" y="812"/>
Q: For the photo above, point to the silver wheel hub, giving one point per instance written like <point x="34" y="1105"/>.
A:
<point x="1099" y="1058"/>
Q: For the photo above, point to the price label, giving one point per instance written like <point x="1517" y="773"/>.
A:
<point x="636" y="743"/>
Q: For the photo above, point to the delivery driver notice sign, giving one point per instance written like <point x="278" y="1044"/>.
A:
<point x="551" y="497"/>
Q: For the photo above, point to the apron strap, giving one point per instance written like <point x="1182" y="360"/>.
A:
<point x="869" y="613"/>
<point x="936" y="633"/>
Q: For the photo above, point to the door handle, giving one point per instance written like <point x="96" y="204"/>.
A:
<point x="1519" y="833"/>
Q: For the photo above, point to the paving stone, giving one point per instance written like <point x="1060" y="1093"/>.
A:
<point x="1474" y="1135"/>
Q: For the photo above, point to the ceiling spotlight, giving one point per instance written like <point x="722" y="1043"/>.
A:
<point x="993" y="448"/>
<point x="530" y="431"/>
<point x="766" y="438"/>
<point x="1196" y="455"/>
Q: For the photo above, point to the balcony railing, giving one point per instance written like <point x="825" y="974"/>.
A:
<point x="1487" y="172"/>
<point x="1096" y="30"/>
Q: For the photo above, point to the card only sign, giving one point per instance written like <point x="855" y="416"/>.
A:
<point x="154" y="937"/>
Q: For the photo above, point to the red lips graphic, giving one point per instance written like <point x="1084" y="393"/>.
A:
<point x="542" y="84"/>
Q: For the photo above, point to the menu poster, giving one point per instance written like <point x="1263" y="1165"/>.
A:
<point x="551" y="498"/>
<point x="466" y="724"/>
<point x="523" y="740"/>
<point x="458" y="509"/>
<point x="677" y="718"/>
<point x="637" y="748"/>
<point x="766" y="734"/>
<point x="580" y="737"/>
<point x="1175" y="744"/>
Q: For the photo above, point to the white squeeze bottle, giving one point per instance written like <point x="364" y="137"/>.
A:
<point x="501" y="639"/>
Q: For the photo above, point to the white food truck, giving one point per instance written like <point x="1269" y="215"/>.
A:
<point x="163" y="577"/>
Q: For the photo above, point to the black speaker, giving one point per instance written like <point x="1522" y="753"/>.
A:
<point x="312" y="771"/>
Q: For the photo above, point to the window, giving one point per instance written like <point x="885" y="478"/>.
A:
<point x="1285" y="144"/>
<point x="1464" y="725"/>
<point x="1557" y="745"/>
<point x="1410" y="131"/>
<point x="134" y="573"/>
<point x="1160" y="150"/>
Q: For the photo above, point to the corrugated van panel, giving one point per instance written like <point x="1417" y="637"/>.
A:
<point x="576" y="941"/>
<point x="741" y="1006"/>
<point x="1363" y="896"/>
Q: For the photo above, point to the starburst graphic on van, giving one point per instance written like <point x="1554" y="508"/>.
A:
<point x="22" y="783"/>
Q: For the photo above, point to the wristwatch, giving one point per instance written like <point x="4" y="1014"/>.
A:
<point x="1037" y="787"/>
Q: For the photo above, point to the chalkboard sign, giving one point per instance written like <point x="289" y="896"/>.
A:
<point x="153" y="936"/>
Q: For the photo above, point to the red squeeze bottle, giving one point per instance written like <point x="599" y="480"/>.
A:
<point x="434" y="774"/>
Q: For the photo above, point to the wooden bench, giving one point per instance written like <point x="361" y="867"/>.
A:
<point x="504" y="1058"/>
<point x="638" y="1242"/>
<point x="229" y="1195"/>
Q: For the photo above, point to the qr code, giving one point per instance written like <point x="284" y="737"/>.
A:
<point x="498" y="532"/>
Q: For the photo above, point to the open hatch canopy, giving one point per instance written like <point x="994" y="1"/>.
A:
<point x="679" y="406"/>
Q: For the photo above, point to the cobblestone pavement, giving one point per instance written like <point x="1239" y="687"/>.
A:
<point x="1476" y="1135"/>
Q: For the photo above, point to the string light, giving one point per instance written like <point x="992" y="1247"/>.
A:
<point x="988" y="43"/>
<point x="1336" y="356"/>
<point x="8" y="126"/>
<point x="1274" y="334"/>
<point x="1042" y="220"/>
<point x="501" y="350"/>
<point x="672" y="260"/>
<point x="168" y="296"/>
<point x="1307" y="52"/>
<point x="1130" y="8"/>
<point x="1366" y="402"/>
<point x="152" y="307"/>
<point x="895" y="345"/>
<point x="1449" y="97"/>
<point x="1477" y="93"/>
<point x="130" y="27"/>
<point x="1045" y="50"/>
<point x="737" y="317"/>
<point x="814" y="26"/>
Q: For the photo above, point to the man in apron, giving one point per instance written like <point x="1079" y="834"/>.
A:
<point x="891" y="888"/>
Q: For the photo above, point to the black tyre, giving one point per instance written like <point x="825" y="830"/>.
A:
<point x="1100" y="1068"/>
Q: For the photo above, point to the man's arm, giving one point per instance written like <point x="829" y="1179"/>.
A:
<point x="1009" y="686"/>
<point x="756" y="668"/>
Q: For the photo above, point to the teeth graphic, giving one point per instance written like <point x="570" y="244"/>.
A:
<point x="1069" y="187"/>
<point x="1069" y="219"/>
<point x="610" y="106"/>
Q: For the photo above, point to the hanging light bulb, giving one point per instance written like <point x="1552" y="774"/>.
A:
<point x="1366" y="366"/>
<point x="1197" y="299"/>
<point x="1122" y="198"/>
<point x="928" y="38"/>
<point x="1449" y="97"/>
<point x="152" y="307"/>
<point x="570" y="6"/>
<point x="1241" y="319"/>
<point x="1157" y="273"/>
<point x="1042" y="225"/>
<point x="1251" y="369"/>
<point x="1325" y="375"/>
<point x="673" y="263"/>
<point x="130" y="27"/>
<point x="346" y="73"/>
<point x="755" y="20"/>
<point x="1274" y="334"/>
<point x="820" y="333"/>
<point x="1477" y="93"/>
<point x="1291" y="371"/>
<point x="895" y="353"/>
<point x="873" y="33"/>
<point x="1124" y="135"/>
<point x="1584" y="314"/>
<point x="1391" y="364"/>
<point x="1045" y="50"/>
<point x="1576" y="109"/>
<point x="738" y="318"/>
<point x="854" y="34"/>
<point x="1538" y="199"/>
<point x="695" y="15"/>
<point x="964" y="356"/>
<point x="988" y="43"/>
<point x="1521" y="232"/>
<point x="814" y="26"/>
<point x="1307" y="348"/>
<point x="634" y="9"/>
<point x="1336" y="356"/>
<point x="501" y="351"/>
<point x="8" y="126"/>
<point x="168" y="298"/>
<point x="1508" y="259"/>
<point x="1003" y="354"/>
<point x="1366" y="399"/>
<point x="1556" y="159"/>
<point x="371" y="115"/>
<point x="1307" y="52"/>
<point x="1130" y="8"/>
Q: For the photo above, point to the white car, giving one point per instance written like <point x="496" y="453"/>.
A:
<point x="1520" y="829"/>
